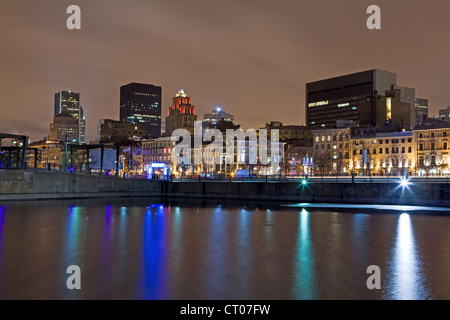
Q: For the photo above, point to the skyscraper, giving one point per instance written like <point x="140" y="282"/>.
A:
<point x="69" y="101"/>
<point x="141" y="104"/>
<point x="181" y="114"/>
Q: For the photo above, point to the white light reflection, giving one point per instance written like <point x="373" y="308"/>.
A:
<point x="402" y="208"/>
<point x="303" y="287"/>
<point x="406" y="279"/>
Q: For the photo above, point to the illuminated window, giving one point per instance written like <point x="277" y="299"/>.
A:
<point x="388" y="109"/>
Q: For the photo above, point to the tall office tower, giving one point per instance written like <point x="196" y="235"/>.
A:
<point x="141" y="104"/>
<point x="69" y="101"/>
<point x="181" y="114"/>
<point x="368" y="98"/>
<point x="421" y="109"/>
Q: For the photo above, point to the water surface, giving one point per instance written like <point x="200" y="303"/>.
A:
<point x="148" y="249"/>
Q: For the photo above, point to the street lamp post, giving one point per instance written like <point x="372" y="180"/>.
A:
<point x="65" y="154"/>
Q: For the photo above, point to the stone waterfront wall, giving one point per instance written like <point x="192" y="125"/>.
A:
<point x="371" y="193"/>
<point x="35" y="185"/>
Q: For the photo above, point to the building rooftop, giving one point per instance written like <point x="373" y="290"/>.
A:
<point x="432" y="123"/>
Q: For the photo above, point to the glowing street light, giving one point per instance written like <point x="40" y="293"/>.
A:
<point x="404" y="182"/>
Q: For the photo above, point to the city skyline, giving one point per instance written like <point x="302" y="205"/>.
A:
<point x="249" y="57"/>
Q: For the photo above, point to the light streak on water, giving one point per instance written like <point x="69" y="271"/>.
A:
<point x="304" y="286"/>
<point x="406" y="279"/>
<point x="369" y="206"/>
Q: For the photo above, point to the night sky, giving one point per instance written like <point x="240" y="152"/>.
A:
<point x="253" y="57"/>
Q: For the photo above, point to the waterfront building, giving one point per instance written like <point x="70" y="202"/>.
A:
<point x="379" y="150"/>
<point x="375" y="151"/>
<point x="431" y="138"/>
<point x="332" y="150"/>
<point x="141" y="104"/>
<point x="157" y="151"/>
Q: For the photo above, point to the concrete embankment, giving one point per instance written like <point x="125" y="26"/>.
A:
<point x="435" y="194"/>
<point x="42" y="185"/>
<point x="37" y="185"/>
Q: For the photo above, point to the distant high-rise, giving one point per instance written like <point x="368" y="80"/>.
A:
<point x="69" y="101"/>
<point x="368" y="98"/>
<point x="219" y="119"/>
<point x="181" y="114"/>
<point x="444" y="114"/>
<point x="141" y="104"/>
<point x="421" y="109"/>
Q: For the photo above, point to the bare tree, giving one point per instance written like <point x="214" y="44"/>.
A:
<point x="323" y="161"/>
<point x="286" y="166"/>
<point x="299" y="167"/>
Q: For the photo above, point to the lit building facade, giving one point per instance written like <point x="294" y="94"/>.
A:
<point x="382" y="153"/>
<point x="333" y="147"/>
<point x="53" y="157"/>
<point x="157" y="150"/>
<point x="364" y="151"/>
<point x="64" y="126"/>
<point x="432" y="147"/>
